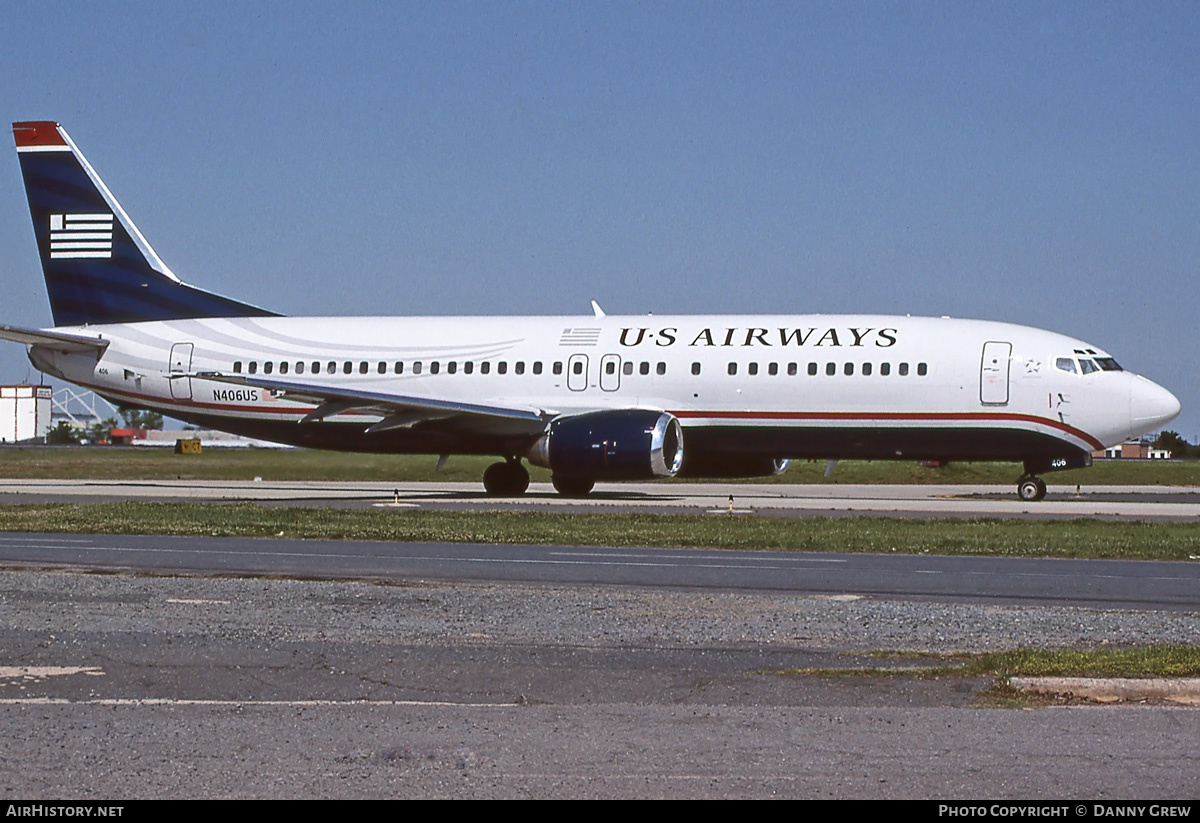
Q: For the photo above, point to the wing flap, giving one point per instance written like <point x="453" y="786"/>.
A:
<point x="398" y="410"/>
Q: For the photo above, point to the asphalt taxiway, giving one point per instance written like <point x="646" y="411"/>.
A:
<point x="1154" y="585"/>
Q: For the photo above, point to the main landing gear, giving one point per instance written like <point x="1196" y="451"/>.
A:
<point x="1031" y="489"/>
<point x="511" y="479"/>
<point x="508" y="479"/>
<point x="572" y="486"/>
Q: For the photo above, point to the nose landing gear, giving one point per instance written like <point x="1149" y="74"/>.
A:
<point x="1031" y="489"/>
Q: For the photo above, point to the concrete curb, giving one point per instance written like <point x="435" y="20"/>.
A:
<point x="1185" y="691"/>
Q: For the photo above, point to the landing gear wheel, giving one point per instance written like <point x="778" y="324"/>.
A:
<point x="572" y="486"/>
<point x="507" y="479"/>
<point x="1031" y="489"/>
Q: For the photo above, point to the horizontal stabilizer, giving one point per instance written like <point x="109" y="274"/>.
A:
<point x="59" y="341"/>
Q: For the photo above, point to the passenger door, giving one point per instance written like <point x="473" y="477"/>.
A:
<point x="993" y="373"/>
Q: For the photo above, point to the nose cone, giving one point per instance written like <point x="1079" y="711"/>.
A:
<point x="1150" y="406"/>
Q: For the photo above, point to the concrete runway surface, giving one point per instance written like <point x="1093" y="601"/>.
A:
<point x="1143" y="502"/>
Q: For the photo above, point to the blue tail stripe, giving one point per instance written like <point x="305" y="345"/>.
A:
<point x="121" y="287"/>
<point x="62" y="195"/>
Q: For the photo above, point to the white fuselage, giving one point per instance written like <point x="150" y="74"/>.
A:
<point x="784" y="374"/>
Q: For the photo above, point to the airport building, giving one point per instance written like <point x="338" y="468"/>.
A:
<point x="24" y="413"/>
<point x="1135" y="450"/>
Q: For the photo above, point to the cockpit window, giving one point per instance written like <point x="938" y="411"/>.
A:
<point x="1087" y="366"/>
<point x="1108" y="364"/>
<point x="1065" y="364"/>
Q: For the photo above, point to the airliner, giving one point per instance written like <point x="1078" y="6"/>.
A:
<point x="594" y="397"/>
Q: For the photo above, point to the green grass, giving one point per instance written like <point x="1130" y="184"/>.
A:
<point x="1009" y="538"/>
<point x="1107" y="662"/>
<point x="153" y="463"/>
<point x="1142" y="661"/>
<point x="108" y="463"/>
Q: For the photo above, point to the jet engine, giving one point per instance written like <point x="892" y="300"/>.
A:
<point x="622" y="444"/>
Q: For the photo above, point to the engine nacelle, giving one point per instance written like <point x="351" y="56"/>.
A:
<point x="731" y="466"/>
<point x="622" y="444"/>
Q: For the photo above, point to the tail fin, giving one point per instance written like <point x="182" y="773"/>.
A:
<point x="98" y="266"/>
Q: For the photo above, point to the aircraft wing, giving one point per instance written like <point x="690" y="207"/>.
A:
<point x="59" y="341"/>
<point x="397" y="410"/>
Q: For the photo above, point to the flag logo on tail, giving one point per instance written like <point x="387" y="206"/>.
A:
<point x="81" y="235"/>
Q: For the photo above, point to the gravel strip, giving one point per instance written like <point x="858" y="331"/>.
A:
<point x="431" y="613"/>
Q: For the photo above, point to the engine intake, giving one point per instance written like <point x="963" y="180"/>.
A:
<point x="624" y="444"/>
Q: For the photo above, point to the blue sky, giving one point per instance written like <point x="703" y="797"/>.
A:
<point x="1028" y="162"/>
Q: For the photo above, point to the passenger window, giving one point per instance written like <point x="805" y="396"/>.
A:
<point x="610" y="367"/>
<point x="382" y="367"/>
<point x="695" y="368"/>
<point x="398" y="367"/>
<point x="331" y="367"/>
<point x="848" y="369"/>
<point x="502" y="367"/>
<point x="644" y="368"/>
<point x="866" y="369"/>
<point x="468" y="367"/>
<point x="627" y="367"/>
<point x="316" y="367"/>
<point x="283" y="367"/>
<point x="435" y="367"/>
<point x="267" y="367"/>
<point x="452" y="367"/>
<point x="557" y="369"/>
<point x="347" y="367"/>
<point x="299" y="367"/>
<point x="485" y="367"/>
<point x="253" y="367"/>
<point x="519" y="367"/>
<point x="577" y="367"/>
<point x="537" y="366"/>
<point x="733" y="368"/>
<point x="237" y="367"/>
<point x="773" y="369"/>
<point x="661" y="368"/>
<point x="752" y="369"/>
<point x="903" y="369"/>
<point x="417" y="367"/>
<point x="922" y="369"/>
<point x="831" y="369"/>
<point x="885" y="369"/>
<point x="812" y="368"/>
<point x="362" y="367"/>
<point x="792" y="369"/>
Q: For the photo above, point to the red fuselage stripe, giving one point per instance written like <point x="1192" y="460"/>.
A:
<point x="691" y="414"/>
<point x="898" y="417"/>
